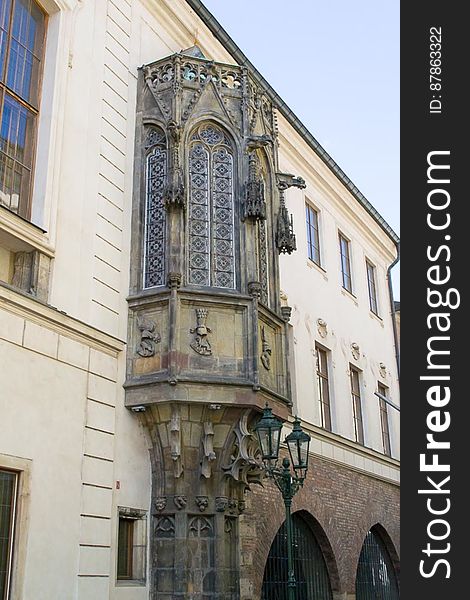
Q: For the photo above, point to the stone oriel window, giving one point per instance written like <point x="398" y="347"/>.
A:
<point x="8" y="487"/>
<point x="22" y="33"/>
<point x="156" y="165"/>
<point x="211" y="236"/>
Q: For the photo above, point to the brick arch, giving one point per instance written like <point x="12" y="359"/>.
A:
<point x="377" y="518"/>
<point x="269" y="525"/>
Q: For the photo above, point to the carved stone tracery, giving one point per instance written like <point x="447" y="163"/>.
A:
<point x="245" y="461"/>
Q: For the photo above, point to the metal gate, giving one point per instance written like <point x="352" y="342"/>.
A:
<point x="375" y="578"/>
<point x="311" y="573"/>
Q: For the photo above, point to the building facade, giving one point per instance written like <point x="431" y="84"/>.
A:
<point x="176" y="251"/>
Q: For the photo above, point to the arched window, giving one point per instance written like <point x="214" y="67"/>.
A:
<point x="211" y="210"/>
<point x="375" y="577"/>
<point x="155" y="215"/>
<point x="311" y="573"/>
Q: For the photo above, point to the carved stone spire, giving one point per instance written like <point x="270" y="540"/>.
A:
<point x="285" y="237"/>
<point x="255" y="204"/>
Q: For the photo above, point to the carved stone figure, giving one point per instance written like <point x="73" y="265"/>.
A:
<point x="322" y="328"/>
<point x="383" y="370"/>
<point x="355" y="351"/>
<point x="221" y="503"/>
<point x="180" y="501"/>
<point x="266" y="353"/>
<point x="202" y="502"/>
<point x="149" y="338"/>
<point x="201" y="343"/>
<point x="160" y="503"/>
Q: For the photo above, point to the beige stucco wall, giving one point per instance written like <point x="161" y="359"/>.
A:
<point x="62" y="401"/>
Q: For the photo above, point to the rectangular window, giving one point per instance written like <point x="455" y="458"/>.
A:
<point x="313" y="239"/>
<point x="356" y="402"/>
<point x="323" y="387"/>
<point x="8" y="487"/>
<point x="22" y="32"/>
<point x="372" y="287"/>
<point x="384" y="420"/>
<point x="345" y="263"/>
<point x="131" y="548"/>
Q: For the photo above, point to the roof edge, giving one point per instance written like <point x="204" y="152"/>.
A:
<point x="224" y="38"/>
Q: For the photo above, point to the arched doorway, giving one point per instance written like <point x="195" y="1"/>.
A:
<point x="311" y="573"/>
<point x="375" y="577"/>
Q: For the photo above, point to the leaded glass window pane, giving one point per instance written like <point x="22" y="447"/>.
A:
<point x="211" y="211"/>
<point x="155" y="214"/>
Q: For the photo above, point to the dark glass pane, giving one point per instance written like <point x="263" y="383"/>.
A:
<point x="125" y="541"/>
<point x="7" y="497"/>
<point x="375" y="577"/>
<point x="27" y="38"/>
<point x="311" y="573"/>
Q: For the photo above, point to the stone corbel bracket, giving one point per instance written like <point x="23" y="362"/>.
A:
<point x="209" y="455"/>
<point x="175" y="442"/>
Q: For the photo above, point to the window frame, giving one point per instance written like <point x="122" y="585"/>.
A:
<point x="11" y="532"/>
<point x="384" y="423"/>
<point x="136" y="542"/>
<point x="25" y="205"/>
<point x="372" y="287"/>
<point x="358" y="419"/>
<point x="309" y="208"/>
<point x="344" y="274"/>
<point x="321" y="378"/>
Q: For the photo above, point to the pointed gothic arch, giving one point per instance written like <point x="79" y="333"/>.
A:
<point x="310" y="566"/>
<point x="376" y="576"/>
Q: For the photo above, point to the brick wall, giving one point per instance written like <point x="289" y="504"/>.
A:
<point x="342" y="505"/>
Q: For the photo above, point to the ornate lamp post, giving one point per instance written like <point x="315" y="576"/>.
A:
<point x="268" y="430"/>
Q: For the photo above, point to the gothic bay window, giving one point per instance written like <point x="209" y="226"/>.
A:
<point x="22" y="32"/>
<point x="155" y="215"/>
<point x="211" y="210"/>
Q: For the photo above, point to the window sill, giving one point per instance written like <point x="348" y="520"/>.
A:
<point x="376" y="318"/>
<point x="19" y="235"/>
<point x="130" y="583"/>
<point x="350" y="295"/>
<point x="311" y="264"/>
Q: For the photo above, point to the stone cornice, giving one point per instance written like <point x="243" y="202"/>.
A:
<point x="45" y="315"/>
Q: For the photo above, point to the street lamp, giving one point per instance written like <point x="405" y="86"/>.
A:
<point x="268" y="430"/>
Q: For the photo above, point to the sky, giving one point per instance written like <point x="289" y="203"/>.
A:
<point x="336" y="65"/>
